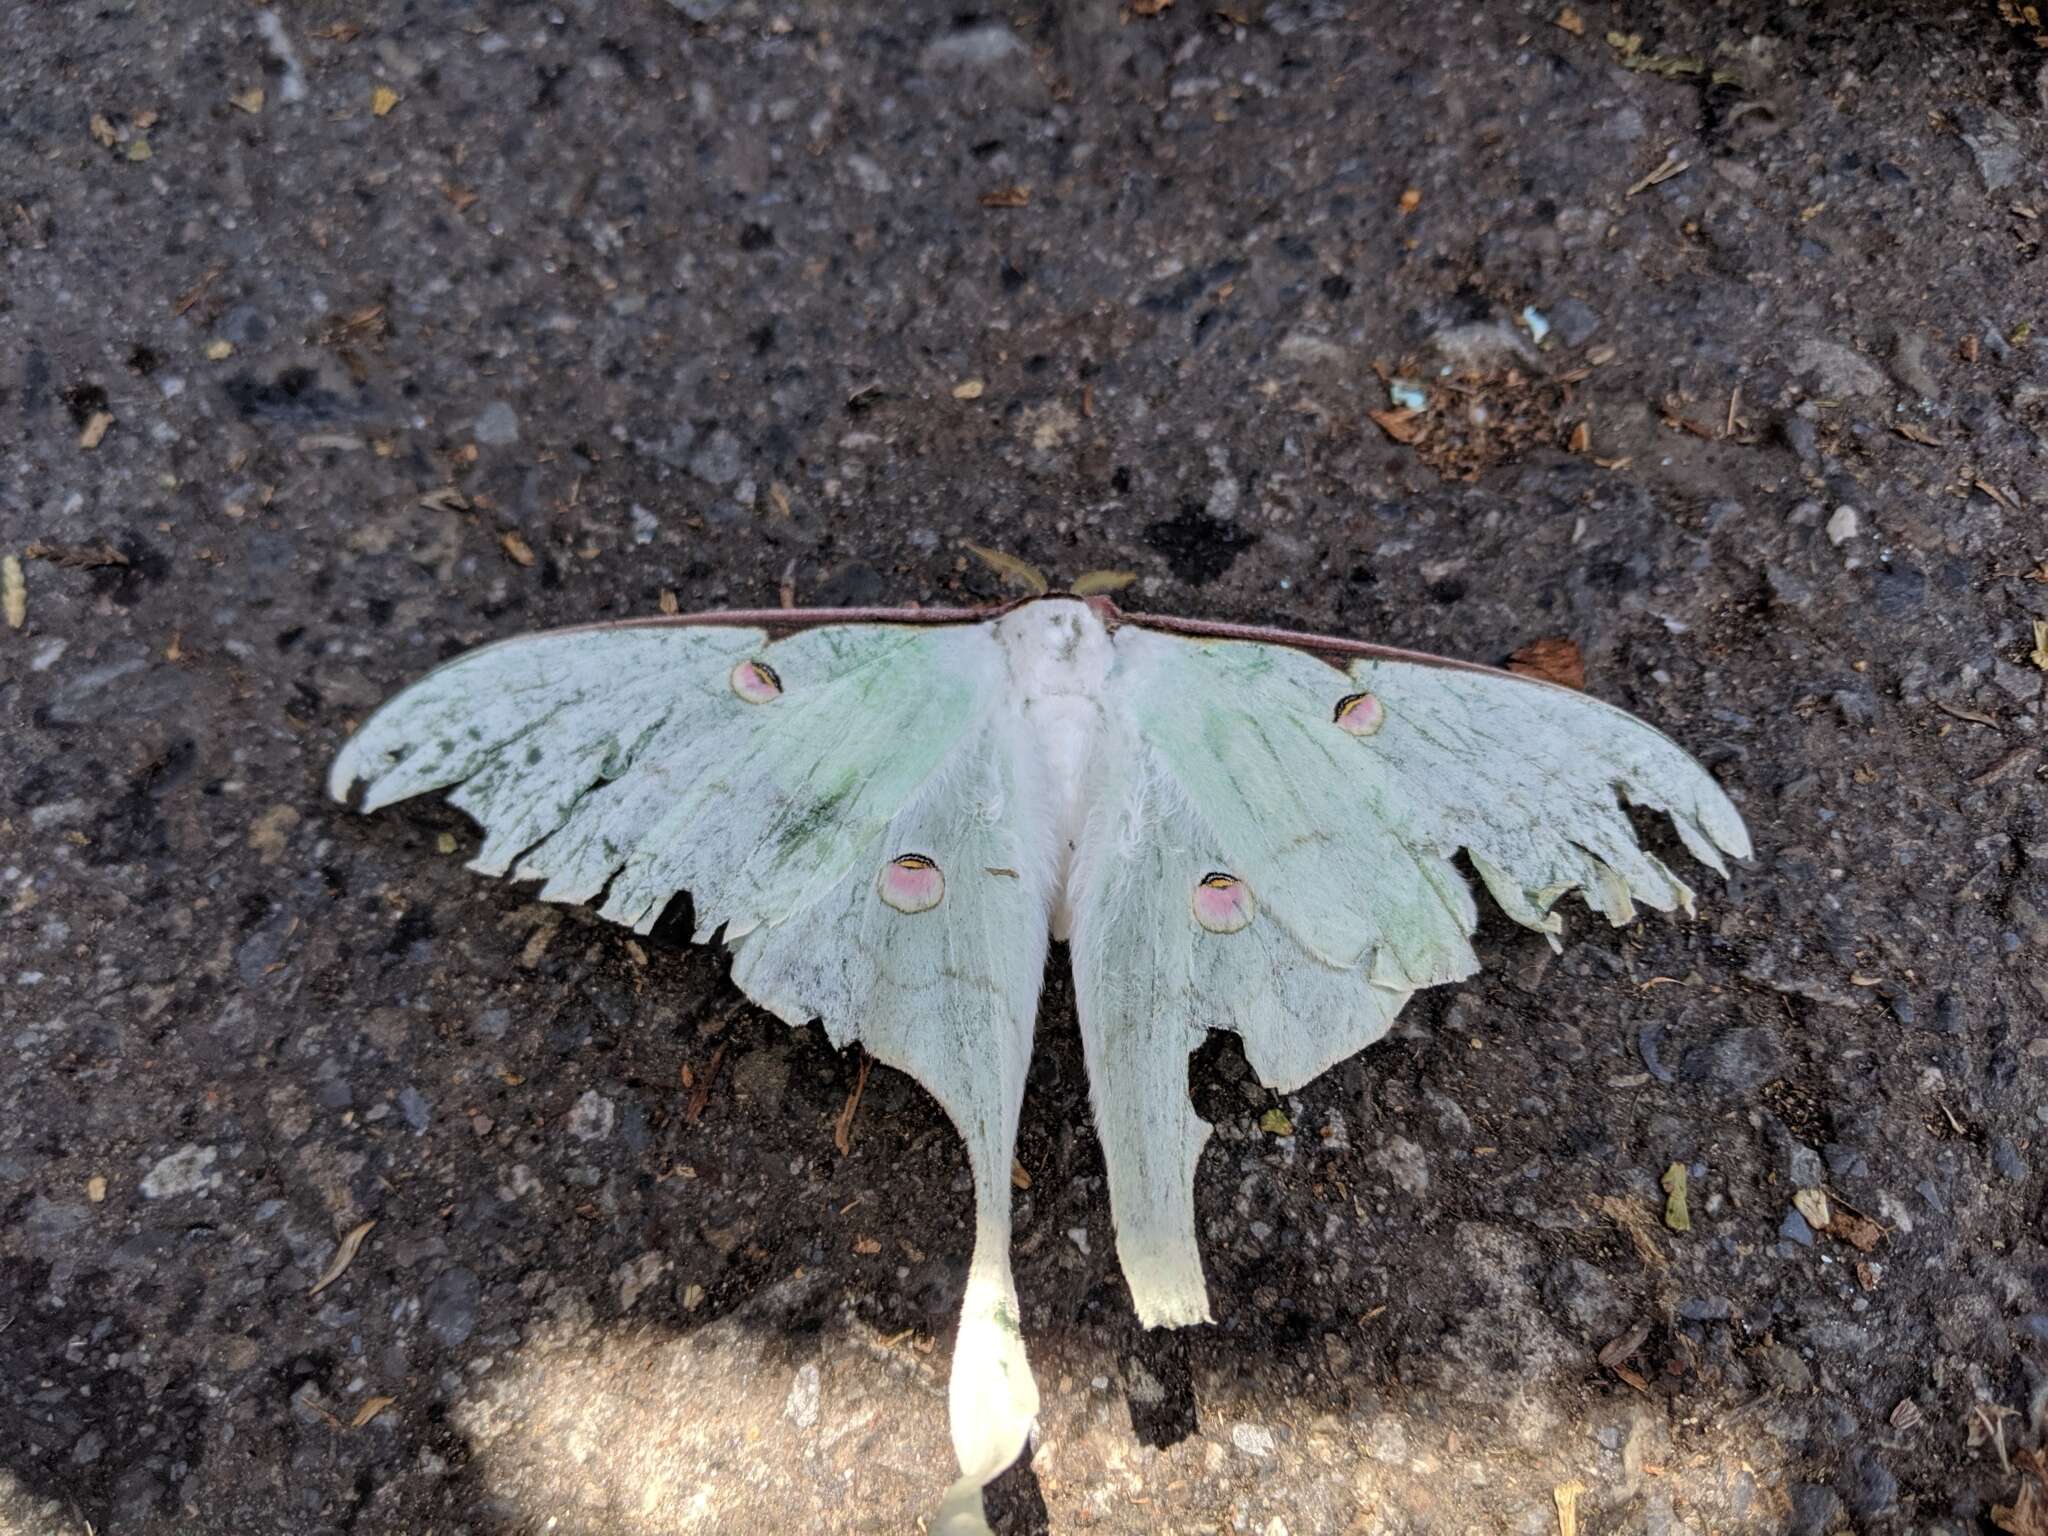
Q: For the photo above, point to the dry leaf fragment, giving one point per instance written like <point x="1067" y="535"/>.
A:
<point x="382" y="100"/>
<point x="75" y="557"/>
<point x="446" y="499"/>
<point x="1813" y="1205"/>
<point x="1410" y="200"/>
<point x="95" y="429"/>
<point x="13" y="592"/>
<point x="338" y="32"/>
<point x="1019" y="573"/>
<point x="250" y="101"/>
<point x="1676" y="1216"/>
<point x="1571" y="21"/>
<point x="372" y="1406"/>
<point x="1554" y="658"/>
<point x="1096" y="583"/>
<point x="516" y="547"/>
<point x="1018" y="1176"/>
<point x="1620" y="1348"/>
<point x="1633" y="1220"/>
<point x="1274" y="1122"/>
<point x="344" y="1255"/>
<point x="1907" y="1415"/>
<point x="866" y="1245"/>
<point x="2039" y="655"/>
<point x="1581" y="440"/>
<point x="2027" y="1514"/>
<point x="101" y="130"/>
<point x="1567" y="1497"/>
<point x="1007" y="197"/>
<point x="968" y="389"/>
<point x="1859" y="1232"/>
<point x="1150" y="7"/>
<point x="461" y="197"/>
<point x="138" y="149"/>
<point x="1401" y="424"/>
<point x="667" y="602"/>
<point x="219" y="350"/>
<point x="1912" y="432"/>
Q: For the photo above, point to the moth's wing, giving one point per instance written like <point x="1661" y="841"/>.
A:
<point x="624" y="762"/>
<point x="948" y="995"/>
<point x="1150" y="982"/>
<point x="1231" y="760"/>
<point x="628" y="762"/>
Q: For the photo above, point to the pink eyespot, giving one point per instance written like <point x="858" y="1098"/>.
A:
<point x="1360" y="714"/>
<point x="1222" y="903"/>
<point x="756" y="682"/>
<point x="912" y="883"/>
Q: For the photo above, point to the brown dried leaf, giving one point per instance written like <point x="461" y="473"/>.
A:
<point x="250" y="101"/>
<point x="516" y="547"/>
<point x="1096" y="583"/>
<point x="1859" y="1232"/>
<point x="372" y="1406"/>
<point x="867" y="1245"/>
<point x="1555" y="659"/>
<point x="1400" y="423"/>
<point x="2027" y="1514"/>
<point x="1572" y="22"/>
<point x="1018" y="1176"/>
<point x="1018" y="573"/>
<point x="1411" y="200"/>
<point x="344" y="1255"/>
<point x="667" y="602"/>
<point x="1007" y="197"/>
<point x="1619" y="1349"/>
<point x="101" y="130"/>
<point x="382" y="100"/>
<point x="1581" y="440"/>
<point x="1150" y="7"/>
<point x="1913" y="432"/>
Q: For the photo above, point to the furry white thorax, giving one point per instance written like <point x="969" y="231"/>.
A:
<point x="1059" y="656"/>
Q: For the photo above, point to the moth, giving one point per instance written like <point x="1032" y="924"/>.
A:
<point x="889" y="814"/>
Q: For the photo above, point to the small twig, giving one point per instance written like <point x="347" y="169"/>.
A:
<point x="1734" y="403"/>
<point x="842" y="1128"/>
<point x="700" y="1095"/>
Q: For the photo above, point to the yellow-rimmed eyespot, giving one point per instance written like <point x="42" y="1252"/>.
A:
<point x="756" y="682"/>
<point x="1360" y="714"/>
<point x="1222" y="903"/>
<point x="912" y="883"/>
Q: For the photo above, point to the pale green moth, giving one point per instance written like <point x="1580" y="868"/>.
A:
<point x="889" y="813"/>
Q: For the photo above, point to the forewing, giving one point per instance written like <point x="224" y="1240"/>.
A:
<point x="625" y="761"/>
<point x="1270" y="852"/>
<point x="1352" y="834"/>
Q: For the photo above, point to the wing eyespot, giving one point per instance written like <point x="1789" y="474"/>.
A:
<point x="1359" y="714"/>
<point x="756" y="682"/>
<point x="912" y="883"/>
<point x="1222" y="903"/>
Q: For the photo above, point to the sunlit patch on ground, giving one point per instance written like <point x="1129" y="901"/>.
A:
<point x="727" y="1428"/>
